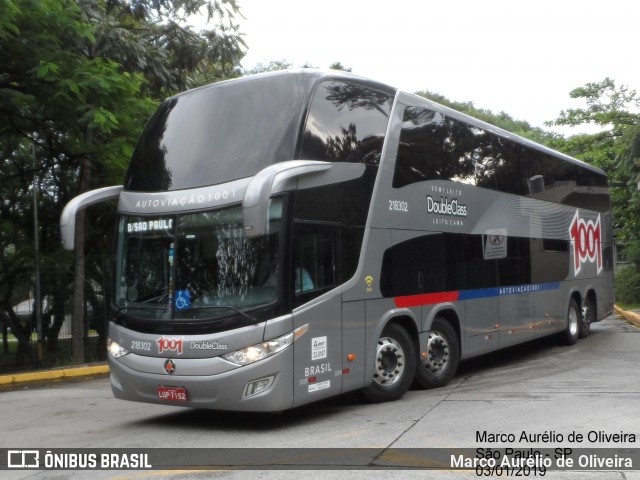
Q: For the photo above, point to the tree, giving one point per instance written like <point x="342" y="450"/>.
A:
<point x="616" y="149"/>
<point x="154" y="37"/>
<point x="275" y="65"/>
<point x="78" y="79"/>
<point x="339" y="66"/>
<point x="61" y="112"/>
<point x="272" y="66"/>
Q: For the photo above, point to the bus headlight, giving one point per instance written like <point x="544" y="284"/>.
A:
<point x="115" y="349"/>
<point x="263" y="350"/>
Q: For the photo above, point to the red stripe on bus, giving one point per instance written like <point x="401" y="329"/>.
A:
<point x="426" y="299"/>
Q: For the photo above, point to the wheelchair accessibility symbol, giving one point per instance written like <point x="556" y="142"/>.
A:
<point x="183" y="300"/>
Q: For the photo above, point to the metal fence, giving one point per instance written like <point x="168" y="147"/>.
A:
<point x="41" y="338"/>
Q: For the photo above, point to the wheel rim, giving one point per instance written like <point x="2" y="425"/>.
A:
<point x="389" y="362"/>
<point x="573" y="321"/>
<point x="437" y="352"/>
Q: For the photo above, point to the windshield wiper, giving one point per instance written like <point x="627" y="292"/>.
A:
<point x="159" y="312"/>
<point x="122" y="310"/>
<point x="159" y="299"/>
<point x="239" y="312"/>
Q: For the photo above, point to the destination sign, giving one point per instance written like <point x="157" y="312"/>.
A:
<point x="150" y="225"/>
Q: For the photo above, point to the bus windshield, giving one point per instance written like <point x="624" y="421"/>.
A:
<point x="218" y="133"/>
<point x="197" y="265"/>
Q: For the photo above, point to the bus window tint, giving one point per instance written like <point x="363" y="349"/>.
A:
<point x="324" y="256"/>
<point x="346" y="123"/>
<point x="218" y="133"/>
<point x="434" y="146"/>
<point x="441" y="262"/>
<point x="314" y="253"/>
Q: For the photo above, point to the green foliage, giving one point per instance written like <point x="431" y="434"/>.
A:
<point x="627" y="286"/>
<point x="272" y="66"/>
<point x="632" y="253"/>
<point x="339" y="66"/>
<point x="7" y="19"/>
<point x="608" y="105"/>
<point x="275" y="65"/>
<point x="78" y="80"/>
<point x="616" y="149"/>
<point x="152" y="37"/>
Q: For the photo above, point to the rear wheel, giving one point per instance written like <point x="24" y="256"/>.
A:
<point x="439" y="363"/>
<point x="587" y="318"/>
<point x="394" y="365"/>
<point x="573" y="323"/>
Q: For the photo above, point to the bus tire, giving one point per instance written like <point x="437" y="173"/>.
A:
<point x="442" y="356"/>
<point x="586" y="319"/>
<point x="394" y="365"/>
<point x="573" y="323"/>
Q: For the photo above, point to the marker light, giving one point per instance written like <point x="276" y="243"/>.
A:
<point x="115" y="349"/>
<point x="263" y="350"/>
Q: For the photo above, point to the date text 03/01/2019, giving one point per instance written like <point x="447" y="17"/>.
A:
<point x="551" y="436"/>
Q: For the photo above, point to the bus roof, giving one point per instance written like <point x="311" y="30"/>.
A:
<point x="319" y="74"/>
<point x="236" y="127"/>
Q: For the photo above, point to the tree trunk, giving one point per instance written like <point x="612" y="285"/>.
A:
<point x="77" y="314"/>
<point x="23" y="334"/>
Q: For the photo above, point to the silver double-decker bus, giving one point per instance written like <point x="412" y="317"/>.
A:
<point x="290" y="236"/>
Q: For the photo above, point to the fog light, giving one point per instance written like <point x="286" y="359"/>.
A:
<point x="257" y="386"/>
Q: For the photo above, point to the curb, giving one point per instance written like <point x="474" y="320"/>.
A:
<point x="631" y="317"/>
<point x="54" y="374"/>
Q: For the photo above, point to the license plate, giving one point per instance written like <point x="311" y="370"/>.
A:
<point x="173" y="394"/>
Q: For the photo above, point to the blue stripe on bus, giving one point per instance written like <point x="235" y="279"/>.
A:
<point x="441" y="297"/>
<point x="511" y="290"/>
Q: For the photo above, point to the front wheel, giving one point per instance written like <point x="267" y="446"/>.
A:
<point x="438" y="364"/>
<point x="394" y="365"/>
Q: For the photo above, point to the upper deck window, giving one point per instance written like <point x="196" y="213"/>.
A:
<point x="434" y="146"/>
<point x="219" y="133"/>
<point x="346" y="123"/>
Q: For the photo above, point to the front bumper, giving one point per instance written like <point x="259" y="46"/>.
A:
<point x="219" y="391"/>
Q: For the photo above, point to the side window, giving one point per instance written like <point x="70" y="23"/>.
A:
<point x="588" y="178"/>
<point x="476" y="271"/>
<point x="324" y="256"/>
<point x="314" y="258"/>
<point x="549" y="260"/>
<point x="435" y="147"/>
<point x="346" y="123"/>
<point x="452" y="261"/>
<point x="414" y="266"/>
<point x="515" y="269"/>
<point x="510" y="173"/>
<point x="424" y="152"/>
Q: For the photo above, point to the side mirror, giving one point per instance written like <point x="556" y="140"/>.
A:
<point x="68" y="217"/>
<point x="255" y="205"/>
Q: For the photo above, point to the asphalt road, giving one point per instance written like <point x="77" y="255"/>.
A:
<point x="542" y="387"/>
